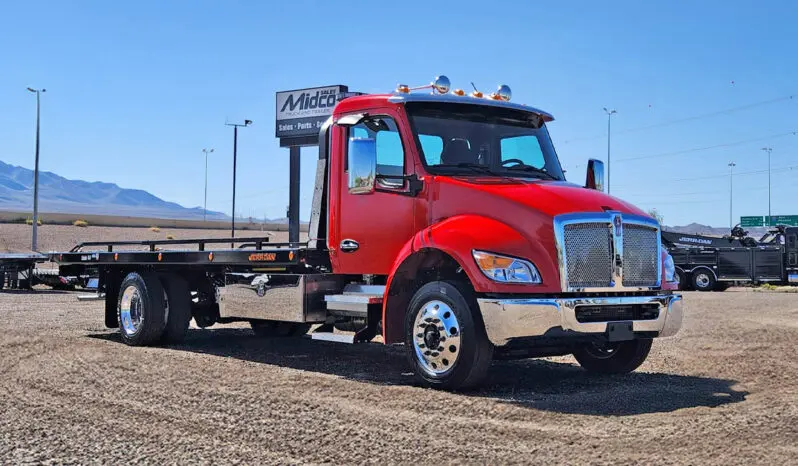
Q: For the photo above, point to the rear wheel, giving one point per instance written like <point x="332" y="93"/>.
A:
<point x="703" y="280"/>
<point x="613" y="358"/>
<point x="178" y="308"/>
<point x="140" y="309"/>
<point x="275" y="328"/>
<point x="445" y="340"/>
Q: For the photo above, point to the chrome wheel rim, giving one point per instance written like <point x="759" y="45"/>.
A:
<point x="131" y="310"/>
<point x="436" y="338"/>
<point x="702" y="280"/>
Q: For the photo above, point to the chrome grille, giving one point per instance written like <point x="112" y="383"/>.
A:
<point x="587" y="254"/>
<point x="640" y="255"/>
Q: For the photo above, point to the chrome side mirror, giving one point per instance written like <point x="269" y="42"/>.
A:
<point x="595" y="175"/>
<point x="362" y="160"/>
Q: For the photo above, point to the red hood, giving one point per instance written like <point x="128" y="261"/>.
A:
<point x="547" y="197"/>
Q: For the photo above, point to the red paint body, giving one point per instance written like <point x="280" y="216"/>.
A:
<point x="455" y="214"/>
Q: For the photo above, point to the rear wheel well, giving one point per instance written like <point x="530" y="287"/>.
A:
<point x="423" y="266"/>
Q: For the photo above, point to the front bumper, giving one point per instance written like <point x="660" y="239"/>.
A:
<point x="508" y="319"/>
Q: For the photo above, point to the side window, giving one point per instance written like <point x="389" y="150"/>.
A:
<point x="432" y="147"/>
<point x="524" y="148"/>
<point x="390" y="152"/>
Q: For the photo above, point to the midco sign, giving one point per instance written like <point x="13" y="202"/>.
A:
<point x="302" y="112"/>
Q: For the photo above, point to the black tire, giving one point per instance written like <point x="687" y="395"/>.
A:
<point x="275" y="328"/>
<point x="613" y="358"/>
<point x="151" y="299"/>
<point x="683" y="280"/>
<point x="178" y="308"/>
<point x="476" y="351"/>
<point x="703" y="280"/>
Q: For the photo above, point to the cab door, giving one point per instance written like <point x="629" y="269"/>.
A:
<point x="368" y="230"/>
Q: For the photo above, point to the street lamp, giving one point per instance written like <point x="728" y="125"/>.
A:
<point x="205" y="206"/>
<point x="34" y="241"/>
<point x="731" y="177"/>
<point x="609" y="113"/>
<point x="235" y="148"/>
<point x="768" y="150"/>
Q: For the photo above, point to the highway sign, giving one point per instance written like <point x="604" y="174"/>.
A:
<point x="789" y="220"/>
<point x="752" y="221"/>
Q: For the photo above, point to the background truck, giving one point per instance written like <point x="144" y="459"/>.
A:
<point x="439" y="220"/>
<point x="707" y="263"/>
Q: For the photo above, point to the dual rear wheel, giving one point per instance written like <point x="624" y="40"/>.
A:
<point x="153" y="308"/>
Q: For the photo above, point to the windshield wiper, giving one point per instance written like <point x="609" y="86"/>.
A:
<point x="531" y="169"/>
<point x="475" y="167"/>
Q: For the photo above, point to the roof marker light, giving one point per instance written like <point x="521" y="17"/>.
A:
<point x="476" y="93"/>
<point x="459" y="92"/>
<point x="403" y="89"/>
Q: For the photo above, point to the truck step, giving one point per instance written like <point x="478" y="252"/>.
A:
<point x="334" y="337"/>
<point x="355" y="300"/>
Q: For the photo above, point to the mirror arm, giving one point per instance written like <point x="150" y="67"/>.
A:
<point x="415" y="185"/>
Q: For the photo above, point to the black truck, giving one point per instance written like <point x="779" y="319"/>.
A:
<point x="707" y="263"/>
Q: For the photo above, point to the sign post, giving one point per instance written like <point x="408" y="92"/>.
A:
<point x="300" y="116"/>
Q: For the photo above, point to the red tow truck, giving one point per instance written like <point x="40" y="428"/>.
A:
<point x="440" y="220"/>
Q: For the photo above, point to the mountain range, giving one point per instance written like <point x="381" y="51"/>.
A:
<point x="60" y="195"/>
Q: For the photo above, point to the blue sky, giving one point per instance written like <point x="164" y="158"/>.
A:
<point x="135" y="90"/>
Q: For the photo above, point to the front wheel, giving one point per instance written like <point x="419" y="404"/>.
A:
<point x="613" y="358"/>
<point x="445" y="339"/>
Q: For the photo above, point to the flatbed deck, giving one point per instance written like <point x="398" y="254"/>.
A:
<point x="250" y="253"/>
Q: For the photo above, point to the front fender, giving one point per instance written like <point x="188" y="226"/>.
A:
<point x="458" y="236"/>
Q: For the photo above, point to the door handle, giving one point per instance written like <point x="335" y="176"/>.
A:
<point x="349" y="245"/>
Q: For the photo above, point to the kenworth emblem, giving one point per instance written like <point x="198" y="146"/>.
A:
<point x="618" y="223"/>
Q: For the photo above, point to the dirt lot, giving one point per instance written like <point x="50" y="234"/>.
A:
<point x="17" y="237"/>
<point x="724" y="391"/>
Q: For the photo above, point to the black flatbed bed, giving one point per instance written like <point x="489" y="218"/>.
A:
<point x="256" y="253"/>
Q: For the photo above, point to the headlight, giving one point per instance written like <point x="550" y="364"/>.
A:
<point x="506" y="269"/>
<point x="670" y="269"/>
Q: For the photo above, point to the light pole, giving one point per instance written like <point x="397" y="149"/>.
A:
<point x="34" y="241"/>
<point x="609" y="113"/>
<point x="731" y="177"/>
<point x="768" y="150"/>
<point x="205" y="206"/>
<point x="235" y="148"/>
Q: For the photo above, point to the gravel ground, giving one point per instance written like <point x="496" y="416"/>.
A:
<point x="724" y="391"/>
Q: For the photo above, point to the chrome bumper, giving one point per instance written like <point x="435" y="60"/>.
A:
<point x="506" y="319"/>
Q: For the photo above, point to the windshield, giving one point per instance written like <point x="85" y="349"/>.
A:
<point x="478" y="140"/>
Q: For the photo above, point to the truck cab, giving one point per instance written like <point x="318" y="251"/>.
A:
<point x="441" y="221"/>
<point x="459" y="206"/>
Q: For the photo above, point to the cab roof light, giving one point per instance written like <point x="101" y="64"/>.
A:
<point x="459" y="92"/>
<point x="476" y="92"/>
